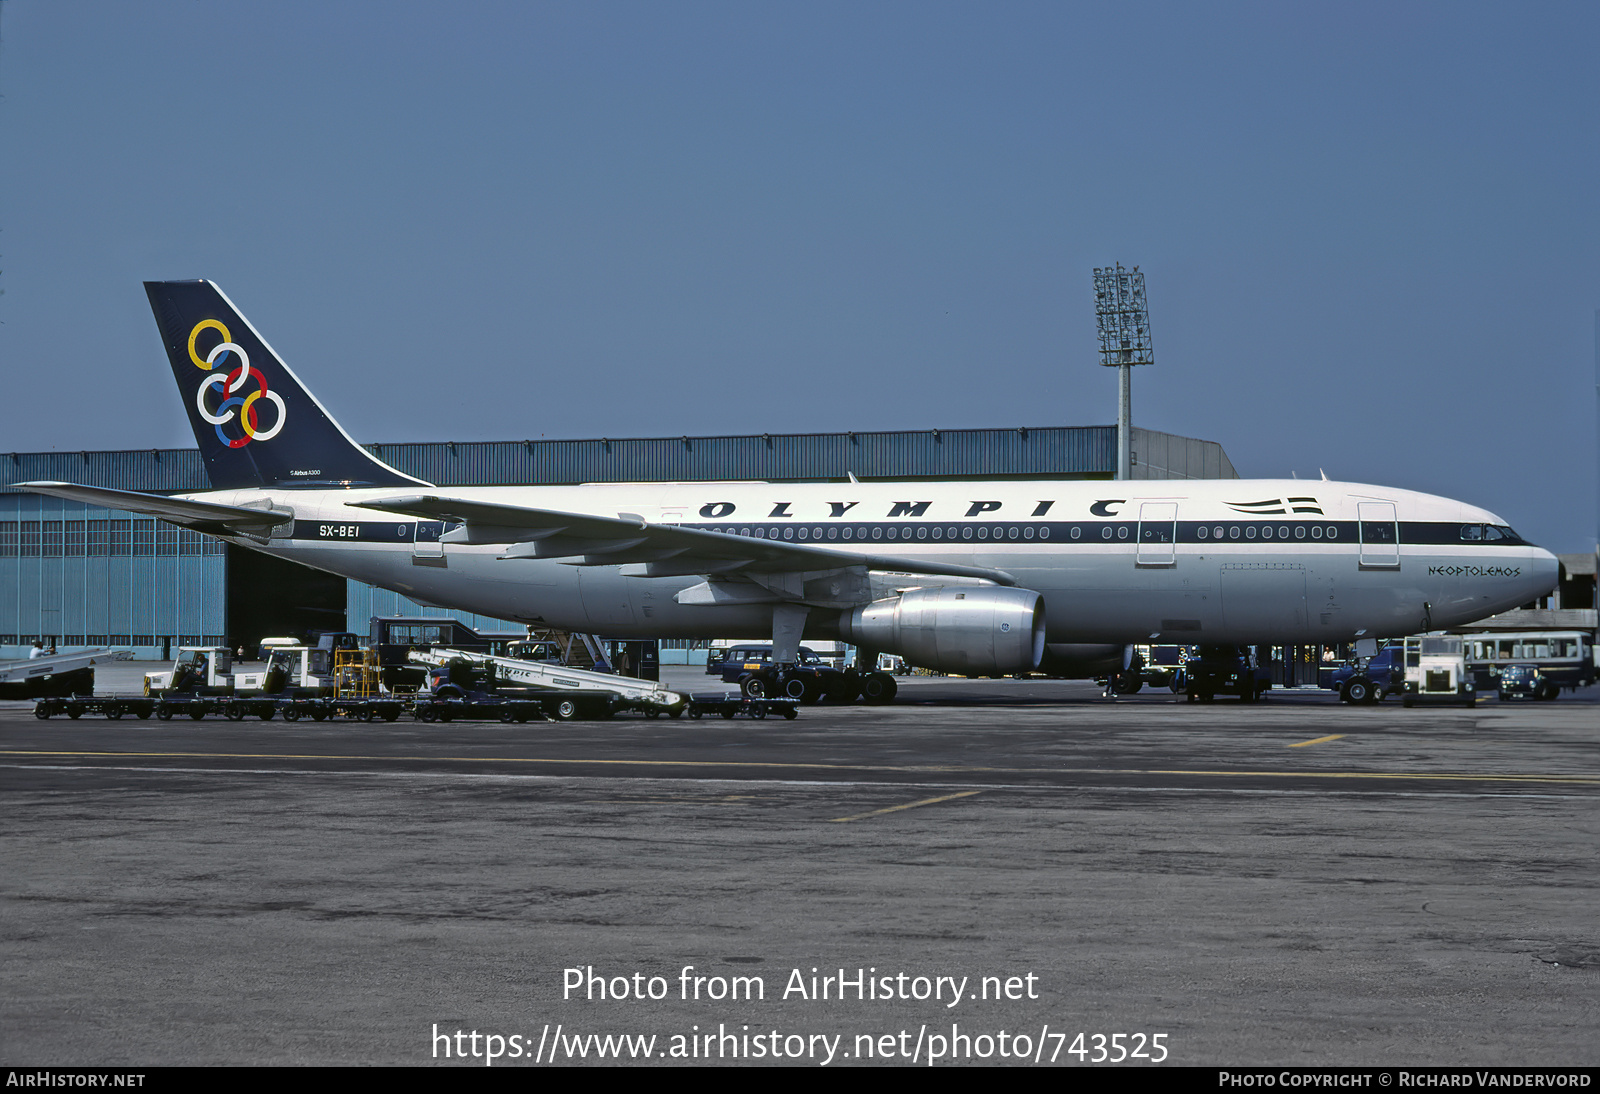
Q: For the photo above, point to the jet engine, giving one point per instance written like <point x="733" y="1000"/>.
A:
<point x="1079" y="661"/>
<point x="975" y="630"/>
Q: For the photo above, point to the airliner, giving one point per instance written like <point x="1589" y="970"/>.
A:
<point x="974" y="577"/>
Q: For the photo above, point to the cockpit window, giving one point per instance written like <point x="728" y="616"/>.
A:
<point x="1488" y="533"/>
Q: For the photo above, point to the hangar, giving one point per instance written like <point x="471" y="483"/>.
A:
<point x="84" y="576"/>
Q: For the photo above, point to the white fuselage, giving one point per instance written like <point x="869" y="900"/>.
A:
<point x="1187" y="561"/>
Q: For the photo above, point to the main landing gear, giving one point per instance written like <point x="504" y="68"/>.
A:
<point x="808" y="685"/>
<point x="786" y="678"/>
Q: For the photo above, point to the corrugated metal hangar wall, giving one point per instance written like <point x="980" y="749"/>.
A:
<point x="87" y="576"/>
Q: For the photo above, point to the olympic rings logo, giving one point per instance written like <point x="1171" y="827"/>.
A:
<point x="230" y="383"/>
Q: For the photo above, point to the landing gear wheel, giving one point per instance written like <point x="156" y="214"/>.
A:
<point x="753" y="687"/>
<point x="1358" y="690"/>
<point x="795" y="687"/>
<point x="879" y="688"/>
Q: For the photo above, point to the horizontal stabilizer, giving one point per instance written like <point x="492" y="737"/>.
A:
<point x="204" y="516"/>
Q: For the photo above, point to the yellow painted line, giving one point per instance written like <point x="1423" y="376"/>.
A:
<point x="1318" y="740"/>
<point x="908" y="805"/>
<point x="1584" y="779"/>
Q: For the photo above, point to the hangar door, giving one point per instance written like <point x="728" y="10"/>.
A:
<point x="274" y="598"/>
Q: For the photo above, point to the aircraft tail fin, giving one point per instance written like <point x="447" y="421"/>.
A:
<point x="256" y="424"/>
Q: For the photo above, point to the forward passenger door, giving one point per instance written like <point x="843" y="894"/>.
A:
<point x="1380" y="535"/>
<point x="1158" y="534"/>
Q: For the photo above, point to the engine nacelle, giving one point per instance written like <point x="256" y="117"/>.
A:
<point x="974" y="630"/>
<point x="1080" y="661"/>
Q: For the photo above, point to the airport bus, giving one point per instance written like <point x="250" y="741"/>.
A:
<point x="1565" y="659"/>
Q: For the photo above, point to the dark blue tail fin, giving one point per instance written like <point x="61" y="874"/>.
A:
<point x="256" y="424"/>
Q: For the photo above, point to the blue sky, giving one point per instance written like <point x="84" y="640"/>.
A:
<point x="1369" y="230"/>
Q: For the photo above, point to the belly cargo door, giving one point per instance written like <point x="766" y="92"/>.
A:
<point x="607" y="599"/>
<point x="1264" y="601"/>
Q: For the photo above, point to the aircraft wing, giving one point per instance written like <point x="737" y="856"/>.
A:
<point x="202" y="516"/>
<point x="665" y="550"/>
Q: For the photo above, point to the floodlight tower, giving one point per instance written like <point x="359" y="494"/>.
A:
<point x="1123" y="318"/>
